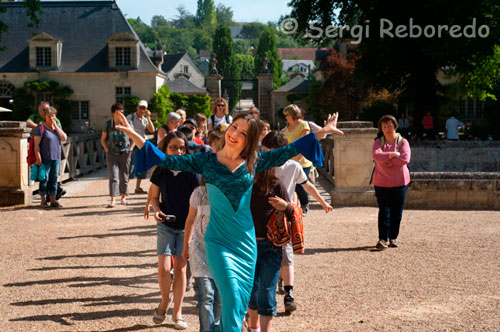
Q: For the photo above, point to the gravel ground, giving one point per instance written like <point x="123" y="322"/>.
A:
<point x="88" y="268"/>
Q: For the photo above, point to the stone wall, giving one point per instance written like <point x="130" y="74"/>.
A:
<point x="462" y="156"/>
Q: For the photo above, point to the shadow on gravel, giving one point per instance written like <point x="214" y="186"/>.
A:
<point x="104" y="212"/>
<point x="138" y="266"/>
<point x="141" y="253"/>
<point x="312" y="251"/>
<point x="133" y="282"/>
<point x="96" y="301"/>
<point x="102" y="236"/>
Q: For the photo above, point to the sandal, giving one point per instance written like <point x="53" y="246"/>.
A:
<point x="111" y="205"/>
<point x="140" y="191"/>
<point x="123" y="201"/>
<point x="179" y="323"/>
<point x="159" y="316"/>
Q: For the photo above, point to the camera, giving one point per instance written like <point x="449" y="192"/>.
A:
<point x="168" y="218"/>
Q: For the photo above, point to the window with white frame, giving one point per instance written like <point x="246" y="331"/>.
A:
<point x="471" y="108"/>
<point x="122" y="92"/>
<point x="186" y="69"/>
<point x="6" y="89"/>
<point x="43" y="57"/>
<point x="80" y="110"/>
<point x="122" y="56"/>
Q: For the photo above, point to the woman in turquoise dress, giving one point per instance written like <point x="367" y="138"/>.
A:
<point x="230" y="243"/>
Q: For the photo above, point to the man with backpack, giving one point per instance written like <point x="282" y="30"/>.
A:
<point x="141" y="122"/>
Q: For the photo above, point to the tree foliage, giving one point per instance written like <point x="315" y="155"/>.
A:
<point x="267" y="45"/>
<point x="224" y="15"/>
<point x="205" y="15"/>
<point x="404" y="63"/>
<point x="223" y="47"/>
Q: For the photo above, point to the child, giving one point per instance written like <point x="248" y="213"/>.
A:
<point x="209" y="305"/>
<point x="175" y="188"/>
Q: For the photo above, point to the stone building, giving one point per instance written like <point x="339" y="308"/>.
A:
<point x="88" y="46"/>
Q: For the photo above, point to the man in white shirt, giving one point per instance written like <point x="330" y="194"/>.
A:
<point x="452" y="125"/>
<point x="141" y="122"/>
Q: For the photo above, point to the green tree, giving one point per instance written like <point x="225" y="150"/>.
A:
<point x="241" y="46"/>
<point x="205" y="15"/>
<point x="223" y="47"/>
<point x="252" y="30"/>
<point x="184" y="19"/>
<point x="143" y="30"/>
<point x="404" y="63"/>
<point x="161" y="104"/>
<point x="158" y="21"/>
<point x="267" y="45"/>
<point x="202" y="40"/>
<point x="224" y="15"/>
<point x="245" y="62"/>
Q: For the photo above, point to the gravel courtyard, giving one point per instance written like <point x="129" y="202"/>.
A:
<point x="88" y="268"/>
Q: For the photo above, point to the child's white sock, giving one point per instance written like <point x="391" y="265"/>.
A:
<point x="256" y="329"/>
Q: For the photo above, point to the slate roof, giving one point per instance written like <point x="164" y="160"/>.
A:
<point x="84" y="28"/>
<point x="170" y="60"/>
<point x="184" y="86"/>
<point x="298" y="84"/>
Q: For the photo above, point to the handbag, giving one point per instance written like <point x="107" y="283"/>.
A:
<point x="38" y="173"/>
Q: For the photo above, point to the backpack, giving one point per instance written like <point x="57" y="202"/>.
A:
<point x="399" y="140"/>
<point x="280" y="230"/>
<point x="31" y="158"/>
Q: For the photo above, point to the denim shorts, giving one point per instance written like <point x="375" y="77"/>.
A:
<point x="267" y="271"/>
<point x="169" y="241"/>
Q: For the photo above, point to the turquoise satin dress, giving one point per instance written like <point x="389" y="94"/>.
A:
<point x="230" y="243"/>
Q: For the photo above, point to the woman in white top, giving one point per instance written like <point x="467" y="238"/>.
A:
<point x="220" y="114"/>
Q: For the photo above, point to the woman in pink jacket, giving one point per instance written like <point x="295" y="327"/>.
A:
<point x="391" y="177"/>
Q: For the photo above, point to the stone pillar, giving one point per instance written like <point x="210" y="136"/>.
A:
<point x="14" y="182"/>
<point x="213" y="83"/>
<point x="265" y="102"/>
<point x="353" y="164"/>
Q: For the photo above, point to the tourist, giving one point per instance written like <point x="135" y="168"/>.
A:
<point x="268" y="196"/>
<point x="37" y="119"/>
<point x="452" y="125"/>
<point x="182" y="114"/>
<point x="173" y="121"/>
<point x="295" y="129"/>
<point x="404" y="125"/>
<point x="209" y="304"/>
<point x="117" y="147"/>
<point x="254" y="111"/>
<point x="428" y="126"/>
<point x="170" y="212"/>
<point x="290" y="174"/>
<point x="48" y="137"/>
<point x="230" y="238"/>
<point x="220" y="114"/>
<point x="391" y="177"/>
<point x="141" y="122"/>
<point x="191" y="123"/>
<point x="201" y="121"/>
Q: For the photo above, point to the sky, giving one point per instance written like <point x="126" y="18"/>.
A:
<point x="243" y="11"/>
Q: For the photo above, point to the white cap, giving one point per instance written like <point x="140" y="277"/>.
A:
<point x="143" y="103"/>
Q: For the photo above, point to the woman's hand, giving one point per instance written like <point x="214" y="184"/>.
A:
<point x="146" y="212"/>
<point x="394" y="154"/>
<point x="159" y="216"/>
<point x="38" y="161"/>
<point x="278" y="203"/>
<point x="331" y="124"/>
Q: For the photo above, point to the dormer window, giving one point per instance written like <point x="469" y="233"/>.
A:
<point x="123" y="51"/>
<point x="45" y="52"/>
<point x="122" y="56"/>
<point x="43" y="57"/>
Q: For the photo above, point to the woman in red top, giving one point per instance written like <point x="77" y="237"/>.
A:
<point x="428" y="125"/>
<point x="391" y="177"/>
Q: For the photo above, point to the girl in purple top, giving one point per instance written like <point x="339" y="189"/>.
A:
<point x="391" y="177"/>
<point x="48" y="151"/>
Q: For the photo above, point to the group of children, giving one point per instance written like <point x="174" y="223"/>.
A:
<point x="180" y="201"/>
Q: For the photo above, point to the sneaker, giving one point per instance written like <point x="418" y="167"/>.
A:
<point x="56" y="205"/>
<point x="45" y="205"/>
<point x="381" y="245"/>
<point x="60" y="194"/>
<point x="159" y="316"/>
<point x="281" y="290"/>
<point x="179" y="323"/>
<point x="305" y="209"/>
<point x="393" y="243"/>
<point x="289" y="304"/>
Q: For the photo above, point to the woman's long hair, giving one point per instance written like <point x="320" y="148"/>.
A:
<point x="265" y="180"/>
<point x="249" y="152"/>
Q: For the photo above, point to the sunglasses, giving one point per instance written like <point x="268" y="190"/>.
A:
<point x="174" y="148"/>
<point x="221" y="105"/>
<point x="142" y="107"/>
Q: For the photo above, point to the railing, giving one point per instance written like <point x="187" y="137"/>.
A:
<point x="81" y="154"/>
<point x="327" y="169"/>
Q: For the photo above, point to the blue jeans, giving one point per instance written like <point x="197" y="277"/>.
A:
<point x="49" y="185"/>
<point x="267" y="271"/>
<point x="209" y="304"/>
<point x="390" y="211"/>
<point x="301" y="193"/>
